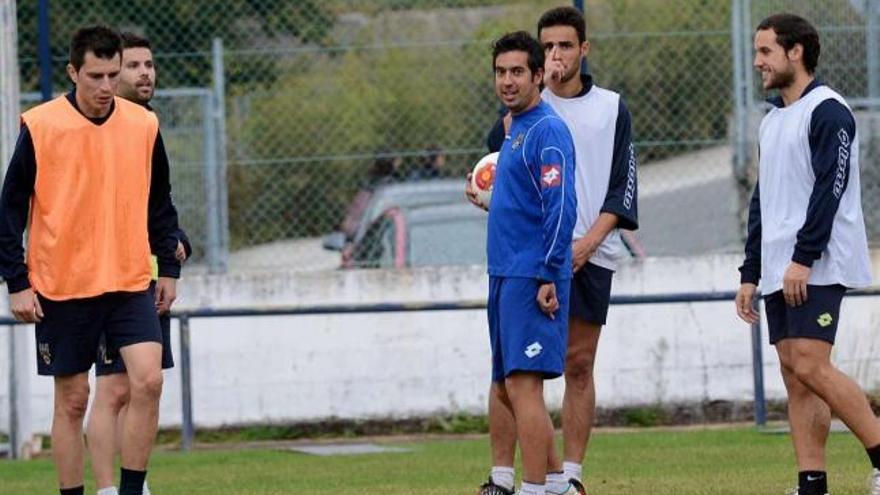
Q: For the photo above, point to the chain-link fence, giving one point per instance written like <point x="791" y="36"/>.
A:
<point x="290" y="120"/>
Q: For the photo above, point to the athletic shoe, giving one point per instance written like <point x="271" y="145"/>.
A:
<point x="795" y="492"/>
<point x="581" y="489"/>
<point x="875" y="482"/>
<point x="490" y="488"/>
<point x="570" y="490"/>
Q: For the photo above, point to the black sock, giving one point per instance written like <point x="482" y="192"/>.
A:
<point x="812" y="483"/>
<point x="131" y="482"/>
<point x="874" y="454"/>
<point x="73" y="491"/>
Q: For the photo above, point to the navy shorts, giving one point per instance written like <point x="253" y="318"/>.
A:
<point x="591" y="293"/>
<point x="522" y="337"/>
<point x="108" y="360"/>
<point x="69" y="335"/>
<point x="817" y="318"/>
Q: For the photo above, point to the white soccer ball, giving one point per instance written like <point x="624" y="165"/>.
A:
<point x="483" y="178"/>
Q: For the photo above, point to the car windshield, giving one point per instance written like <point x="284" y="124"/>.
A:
<point x="453" y="241"/>
<point x="410" y="195"/>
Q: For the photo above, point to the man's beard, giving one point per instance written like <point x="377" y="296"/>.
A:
<point x="574" y="72"/>
<point x="781" y="80"/>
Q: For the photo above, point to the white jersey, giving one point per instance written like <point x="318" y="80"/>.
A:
<point x="790" y="191"/>
<point x="605" y="171"/>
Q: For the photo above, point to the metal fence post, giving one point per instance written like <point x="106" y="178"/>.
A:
<point x="187" y="433"/>
<point x="219" y="101"/>
<point x="45" y="49"/>
<point x="213" y="251"/>
<point x="217" y="200"/>
<point x="20" y="429"/>
<point x="872" y="50"/>
<point x="758" y="367"/>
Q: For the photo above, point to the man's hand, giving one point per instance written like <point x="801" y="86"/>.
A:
<point x="553" y="68"/>
<point x="745" y="308"/>
<point x="582" y="250"/>
<point x="471" y="194"/>
<point x="547" y="299"/>
<point x="180" y="254"/>
<point x="25" y="306"/>
<point x="794" y="284"/>
<point x="166" y="293"/>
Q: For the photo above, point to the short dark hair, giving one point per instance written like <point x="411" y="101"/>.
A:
<point x="131" y="40"/>
<point x="520" y="41"/>
<point x="792" y="30"/>
<point x="564" y="16"/>
<point x="101" y="40"/>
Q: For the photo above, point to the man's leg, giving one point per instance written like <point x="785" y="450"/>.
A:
<point x="111" y="395"/>
<point x="533" y="428"/>
<point x="144" y="370"/>
<point x="71" y="401"/>
<point x="808" y="415"/>
<point x="812" y="366"/>
<point x="579" y="400"/>
<point x="502" y="436"/>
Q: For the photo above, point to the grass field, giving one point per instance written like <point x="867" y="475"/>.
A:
<point x="688" y="462"/>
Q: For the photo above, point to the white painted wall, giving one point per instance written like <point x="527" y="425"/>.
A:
<point x="248" y="370"/>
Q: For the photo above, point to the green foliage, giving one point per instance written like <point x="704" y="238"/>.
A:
<point x="674" y="71"/>
<point x="183" y="30"/>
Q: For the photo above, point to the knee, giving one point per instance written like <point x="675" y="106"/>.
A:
<point x="117" y="395"/>
<point x="73" y="402"/>
<point x="807" y="371"/>
<point x="148" y="386"/>
<point x="579" y="370"/>
<point x="523" y="386"/>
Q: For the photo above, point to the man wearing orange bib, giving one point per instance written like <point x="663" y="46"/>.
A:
<point x="89" y="181"/>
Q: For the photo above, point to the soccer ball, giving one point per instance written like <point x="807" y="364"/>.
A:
<point x="483" y="178"/>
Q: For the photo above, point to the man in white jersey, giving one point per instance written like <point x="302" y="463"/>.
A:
<point x="807" y="244"/>
<point x="605" y="185"/>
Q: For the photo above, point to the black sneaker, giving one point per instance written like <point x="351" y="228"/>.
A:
<point x="490" y="488"/>
<point x="581" y="489"/>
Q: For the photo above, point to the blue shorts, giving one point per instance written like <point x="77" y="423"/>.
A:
<point x="815" y="319"/>
<point x="69" y="335"/>
<point x="109" y="362"/>
<point x="591" y="293"/>
<point x="522" y="337"/>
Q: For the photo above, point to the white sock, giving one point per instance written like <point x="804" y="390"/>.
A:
<point x="572" y="470"/>
<point x="502" y="476"/>
<point x="531" y="489"/>
<point x="556" y="483"/>
<point x="110" y="490"/>
<point x="146" y="488"/>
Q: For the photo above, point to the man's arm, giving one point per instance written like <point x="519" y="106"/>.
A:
<point x="555" y="159"/>
<point x="18" y="188"/>
<point x="622" y="197"/>
<point x="162" y="220"/>
<point x="832" y="130"/>
<point x="750" y="271"/>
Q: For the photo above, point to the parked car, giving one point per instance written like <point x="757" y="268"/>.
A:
<point x="400" y="194"/>
<point x="435" y="235"/>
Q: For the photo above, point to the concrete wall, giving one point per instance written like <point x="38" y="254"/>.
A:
<point x="276" y="369"/>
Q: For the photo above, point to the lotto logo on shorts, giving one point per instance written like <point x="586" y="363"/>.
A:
<point x="824" y="320"/>
<point x="533" y="350"/>
<point x="551" y="176"/>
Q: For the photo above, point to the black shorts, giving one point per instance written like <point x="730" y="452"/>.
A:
<point x="591" y="293"/>
<point x="815" y="319"/>
<point x="109" y="362"/>
<point x="68" y="337"/>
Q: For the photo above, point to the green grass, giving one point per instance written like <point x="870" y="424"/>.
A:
<point x="718" y="462"/>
